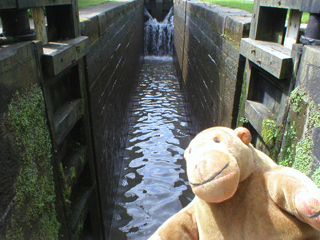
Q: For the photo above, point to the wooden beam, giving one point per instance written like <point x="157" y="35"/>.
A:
<point x="8" y="4"/>
<point x="288" y="4"/>
<point x="256" y="112"/>
<point x="40" y="24"/>
<point x="65" y="119"/>
<point x="57" y="56"/>
<point x="292" y="28"/>
<point x="40" y="3"/>
<point x="270" y="56"/>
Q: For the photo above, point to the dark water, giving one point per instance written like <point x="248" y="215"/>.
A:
<point x="153" y="183"/>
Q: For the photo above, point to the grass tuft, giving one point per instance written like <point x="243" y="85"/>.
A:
<point x="246" y="5"/>
<point x="239" y="4"/>
<point x="86" y="3"/>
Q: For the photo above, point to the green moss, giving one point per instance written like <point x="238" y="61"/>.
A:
<point x="314" y="114"/>
<point x="34" y="213"/>
<point x="239" y="4"/>
<point x="73" y="172"/>
<point x="303" y="160"/>
<point x="316" y="177"/>
<point x="288" y="151"/>
<point x="299" y="153"/>
<point x="270" y="131"/>
<point x="270" y="134"/>
<point x="297" y="98"/>
<point x="241" y="119"/>
<point x="79" y="226"/>
<point x="290" y="139"/>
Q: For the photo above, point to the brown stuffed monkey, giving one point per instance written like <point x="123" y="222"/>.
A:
<point x="242" y="194"/>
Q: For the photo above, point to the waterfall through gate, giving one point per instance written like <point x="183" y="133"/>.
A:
<point x="158" y="36"/>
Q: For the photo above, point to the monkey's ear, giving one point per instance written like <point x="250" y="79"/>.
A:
<point x="244" y="134"/>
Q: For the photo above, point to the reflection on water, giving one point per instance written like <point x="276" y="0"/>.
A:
<point x="153" y="183"/>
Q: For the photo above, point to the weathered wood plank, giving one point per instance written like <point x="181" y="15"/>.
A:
<point x="65" y="119"/>
<point x="257" y="112"/>
<point x="80" y="203"/>
<point x="40" y="3"/>
<point x="40" y="24"/>
<point x="292" y="28"/>
<point x="74" y="166"/>
<point x="8" y="4"/>
<point x="289" y="4"/>
<point x="272" y="57"/>
<point x="60" y="55"/>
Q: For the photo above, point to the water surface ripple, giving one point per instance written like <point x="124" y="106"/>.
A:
<point x="153" y="183"/>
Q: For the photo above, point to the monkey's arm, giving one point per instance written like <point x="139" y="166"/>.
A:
<point x="182" y="225"/>
<point x="295" y="193"/>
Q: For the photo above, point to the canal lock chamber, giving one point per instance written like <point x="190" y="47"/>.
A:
<point x="153" y="183"/>
<point x="81" y="82"/>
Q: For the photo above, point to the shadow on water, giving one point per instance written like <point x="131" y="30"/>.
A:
<point x="153" y="184"/>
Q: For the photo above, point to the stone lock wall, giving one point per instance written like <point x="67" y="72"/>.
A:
<point x="207" y="41"/>
<point x="301" y="140"/>
<point x="116" y="47"/>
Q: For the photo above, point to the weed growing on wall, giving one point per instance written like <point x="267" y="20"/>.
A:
<point x="34" y="213"/>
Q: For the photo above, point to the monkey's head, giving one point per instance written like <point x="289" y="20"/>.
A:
<point x="218" y="159"/>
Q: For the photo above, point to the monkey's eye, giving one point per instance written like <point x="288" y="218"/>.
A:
<point x="216" y="140"/>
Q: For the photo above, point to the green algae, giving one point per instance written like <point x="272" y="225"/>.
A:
<point x="34" y="213"/>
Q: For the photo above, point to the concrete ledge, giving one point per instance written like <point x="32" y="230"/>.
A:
<point x="96" y="20"/>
